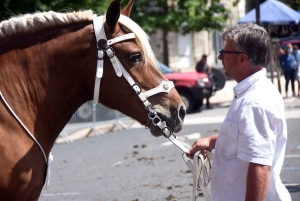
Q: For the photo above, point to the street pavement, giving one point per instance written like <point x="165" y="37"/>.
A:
<point x="132" y="165"/>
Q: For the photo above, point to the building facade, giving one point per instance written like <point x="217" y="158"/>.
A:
<point x="186" y="50"/>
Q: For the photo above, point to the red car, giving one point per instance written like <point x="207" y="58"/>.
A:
<point x="192" y="87"/>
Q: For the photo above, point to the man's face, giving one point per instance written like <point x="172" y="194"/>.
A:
<point x="229" y="60"/>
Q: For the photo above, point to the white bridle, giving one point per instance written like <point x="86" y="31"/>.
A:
<point x="104" y="47"/>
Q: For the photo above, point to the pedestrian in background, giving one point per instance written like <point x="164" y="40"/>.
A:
<point x="289" y="65"/>
<point x="298" y="80"/>
<point x="250" y="146"/>
<point x="297" y="57"/>
<point x="202" y="67"/>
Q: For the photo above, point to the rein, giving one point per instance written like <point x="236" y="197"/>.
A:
<point x="200" y="167"/>
<point x="201" y="170"/>
<point x="48" y="161"/>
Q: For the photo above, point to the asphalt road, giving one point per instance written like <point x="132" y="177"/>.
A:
<point x="132" y="165"/>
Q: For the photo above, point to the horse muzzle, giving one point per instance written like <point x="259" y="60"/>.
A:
<point x="171" y="120"/>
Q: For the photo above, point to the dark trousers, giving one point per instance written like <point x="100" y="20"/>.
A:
<point x="207" y="102"/>
<point x="290" y="75"/>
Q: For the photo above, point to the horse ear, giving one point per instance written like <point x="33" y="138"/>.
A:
<point x="113" y="14"/>
<point x="127" y="10"/>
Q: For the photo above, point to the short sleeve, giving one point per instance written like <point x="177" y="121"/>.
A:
<point x="257" y="136"/>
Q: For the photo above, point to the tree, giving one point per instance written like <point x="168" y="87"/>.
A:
<point x="10" y="8"/>
<point x="294" y="4"/>
<point x="168" y="15"/>
<point x="178" y="15"/>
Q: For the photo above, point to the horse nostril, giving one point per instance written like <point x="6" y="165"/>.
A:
<point x="181" y="113"/>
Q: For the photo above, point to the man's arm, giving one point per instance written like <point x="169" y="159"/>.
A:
<point x="257" y="182"/>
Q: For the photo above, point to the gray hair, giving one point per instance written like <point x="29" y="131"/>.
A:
<point x="250" y="39"/>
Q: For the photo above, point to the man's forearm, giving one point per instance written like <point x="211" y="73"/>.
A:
<point x="212" y="143"/>
<point x="257" y="182"/>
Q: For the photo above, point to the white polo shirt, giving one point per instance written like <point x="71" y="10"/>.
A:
<point x="254" y="130"/>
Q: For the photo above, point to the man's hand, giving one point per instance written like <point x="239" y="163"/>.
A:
<point x="202" y="145"/>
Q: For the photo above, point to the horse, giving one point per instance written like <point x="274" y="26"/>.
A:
<point x="52" y="63"/>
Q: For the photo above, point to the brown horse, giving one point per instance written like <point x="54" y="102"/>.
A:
<point x="51" y="63"/>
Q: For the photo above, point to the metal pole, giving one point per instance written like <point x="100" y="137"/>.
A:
<point x="271" y="57"/>
<point x="93" y="128"/>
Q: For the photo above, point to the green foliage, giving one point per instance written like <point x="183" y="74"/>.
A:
<point x="170" y="15"/>
<point x="10" y="8"/>
<point x="294" y="4"/>
<point x="179" y="15"/>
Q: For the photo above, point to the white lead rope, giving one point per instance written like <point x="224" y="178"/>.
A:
<point x="200" y="167"/>
<point x="50" y="158"/>
<point x="201" y="170"/>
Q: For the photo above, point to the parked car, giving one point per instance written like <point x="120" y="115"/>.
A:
<point x="192" y="87"/>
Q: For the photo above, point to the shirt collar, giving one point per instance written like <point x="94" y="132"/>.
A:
<point x="246" y="83"/>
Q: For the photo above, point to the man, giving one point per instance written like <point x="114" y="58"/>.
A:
<point x="250" y="147"/>
<point x="289" y="65"/>
<point x="202" y="67"/>
<point x="297" y="57"/>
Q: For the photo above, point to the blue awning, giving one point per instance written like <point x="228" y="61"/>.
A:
<point x="274" y="12"/>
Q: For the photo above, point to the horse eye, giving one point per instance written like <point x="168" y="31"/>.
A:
<point x="136" y="57"/>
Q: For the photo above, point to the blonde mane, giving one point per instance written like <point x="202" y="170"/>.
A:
<point x="29" y="23"/>
<point x="142" y="37"/>
<point x="38" y="21"/>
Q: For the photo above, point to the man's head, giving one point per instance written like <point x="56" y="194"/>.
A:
<point x="204" y="58"/>
<point x="295" y="48"/>
<point x="245" y="51"/>
<point x="288" y="48"/>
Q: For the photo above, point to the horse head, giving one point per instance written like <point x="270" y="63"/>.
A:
<point x="129" y="45"/>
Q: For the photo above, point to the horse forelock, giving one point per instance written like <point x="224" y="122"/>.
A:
<point x="29" y="23"/>
<point x="142" y="37"/>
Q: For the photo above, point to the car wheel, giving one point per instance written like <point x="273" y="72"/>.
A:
<point x="188" y="101"/>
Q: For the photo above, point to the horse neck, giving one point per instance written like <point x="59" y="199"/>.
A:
<point x="45" y="89"/>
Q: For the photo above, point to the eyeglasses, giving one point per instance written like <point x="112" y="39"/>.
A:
<point x="222" y="52"/>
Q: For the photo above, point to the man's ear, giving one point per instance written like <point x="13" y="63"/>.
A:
<point x="244" y="58"/>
